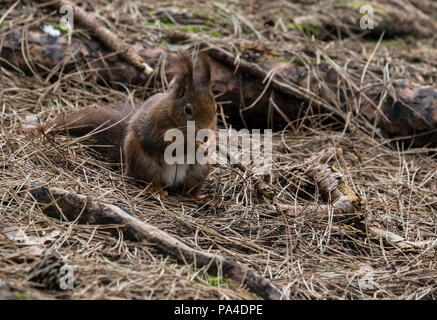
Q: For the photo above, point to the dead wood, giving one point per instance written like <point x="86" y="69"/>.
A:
<point x="63" y="204"/>
<point x="400" y="109"/>
<point x="403" y="109"/>
<point x="106" y="36"/>
<point x="345" y="202"/>
<point x="325" y="20"/>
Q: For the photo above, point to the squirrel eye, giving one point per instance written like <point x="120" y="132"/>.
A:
<point x="188" y="109"/>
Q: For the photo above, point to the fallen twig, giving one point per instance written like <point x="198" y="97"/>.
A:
<point x="60" y="203"/>
<point x="105" y="35"/>
<point x="344" y="200"/>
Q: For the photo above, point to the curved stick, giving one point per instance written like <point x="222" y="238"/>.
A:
<point x="63" y="204"/>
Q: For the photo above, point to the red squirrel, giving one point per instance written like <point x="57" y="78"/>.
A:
<point x="140" y="133"/>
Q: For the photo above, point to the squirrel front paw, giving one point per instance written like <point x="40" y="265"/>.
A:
<point x="158" y="191"/>
<point x="205" y="147"/>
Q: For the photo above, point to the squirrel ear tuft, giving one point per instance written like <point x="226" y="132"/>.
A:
<point x="202" y="70"/>
<point x="184" y="77"/>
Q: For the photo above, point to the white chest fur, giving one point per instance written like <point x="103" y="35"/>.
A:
<point x="173" y="175"/>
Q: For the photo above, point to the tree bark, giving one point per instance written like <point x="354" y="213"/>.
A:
<point x="406" y="110"/>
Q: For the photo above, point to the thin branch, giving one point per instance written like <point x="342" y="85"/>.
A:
<point x="111" y="40"/>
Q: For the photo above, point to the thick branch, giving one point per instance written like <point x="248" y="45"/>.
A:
<point x="390" y="16"/>
<point x="59" y="203"/>
<point x="407" y="110"/>
<point x="111" y="40"/>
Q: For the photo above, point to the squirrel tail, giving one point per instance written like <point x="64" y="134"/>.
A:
<point x="103" y="127"/>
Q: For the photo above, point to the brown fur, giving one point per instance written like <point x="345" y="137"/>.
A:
<point x="106" y="124"/>
<point x="140" y="133"/>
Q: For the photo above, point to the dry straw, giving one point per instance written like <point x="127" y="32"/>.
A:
<point x="309" y="254"/>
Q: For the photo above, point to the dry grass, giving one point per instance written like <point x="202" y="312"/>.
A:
<point x="311" y="255"/>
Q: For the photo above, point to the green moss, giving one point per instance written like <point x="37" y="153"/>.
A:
<point x="217" y="281"/>
<point x="358" y="4"/>
<point x="269" y="194"/>
<point x="165" y="42"/>
<point x="200" y="29"/>
<point x="380" y="11"/>
<point x="21" y="296"/>
<point x="298" y="61"/>
<point x="4" y="25"/>
<point x="230" y="7"/>
<point x="165" y="20"/>
<point x="199" y="12"/>
<point x="391" y="43"/>
<point x="253" y="295"/>
<point x="61" y="28"/>
<point x="308" y="28"/>
<point x="147" y="23"/>
<point x="216" y="34"/>
<point x="190" y="29"/>
<point x="213" y="281"/>
<point x="355" y="4"/>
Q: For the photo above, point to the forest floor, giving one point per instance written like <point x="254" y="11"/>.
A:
<point x="308" y="255"/>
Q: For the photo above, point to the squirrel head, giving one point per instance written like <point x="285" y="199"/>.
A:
<point x="191" y="92"/>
